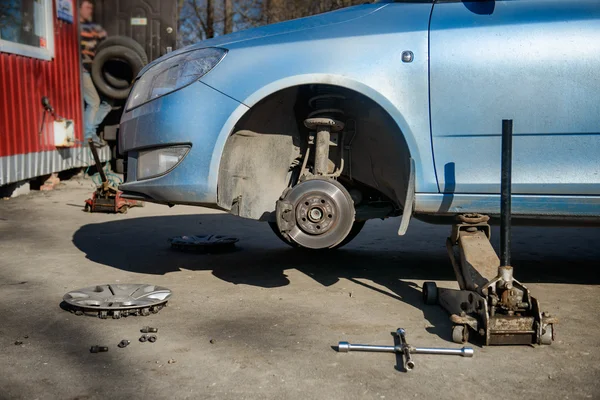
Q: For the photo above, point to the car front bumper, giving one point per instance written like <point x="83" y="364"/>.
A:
<point x="198" y="116"/>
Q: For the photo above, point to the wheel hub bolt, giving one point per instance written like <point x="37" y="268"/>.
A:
<point x="316" y="214"/>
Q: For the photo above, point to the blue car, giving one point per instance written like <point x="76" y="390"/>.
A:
<point x="387" y="109"/>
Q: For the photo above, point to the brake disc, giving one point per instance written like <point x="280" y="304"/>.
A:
<point x="118" y="300"/>
<point x="323" y="211"/>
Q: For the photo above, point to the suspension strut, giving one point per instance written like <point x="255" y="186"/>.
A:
<point x="326" y="122"/>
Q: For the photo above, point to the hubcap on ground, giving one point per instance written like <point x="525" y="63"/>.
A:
<point x="118" y="299"/>
<point x="323" y="212"/>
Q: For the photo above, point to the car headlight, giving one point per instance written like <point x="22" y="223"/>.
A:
<point x="157" y="162"/>
<point x="174" y="73"/>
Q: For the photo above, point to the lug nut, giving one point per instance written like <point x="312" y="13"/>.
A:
<point x="152" y="338"/>
<point x="149" y="329"/>
<point x="143" y="338"/>
<point x="123" y="343"/>
<point x="98" y="349"/>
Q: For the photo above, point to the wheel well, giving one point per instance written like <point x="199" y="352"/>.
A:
<point x="268" y="143"/>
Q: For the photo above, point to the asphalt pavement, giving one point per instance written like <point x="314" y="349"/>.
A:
<point x="262" y="322"/>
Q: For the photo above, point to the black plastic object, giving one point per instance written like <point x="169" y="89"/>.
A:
<point x="505" y="196"/>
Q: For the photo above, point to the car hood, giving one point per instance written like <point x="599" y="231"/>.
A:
<point x="329" y="18"/>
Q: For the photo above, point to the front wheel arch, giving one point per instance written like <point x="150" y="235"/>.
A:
<point x="272" y="133"/>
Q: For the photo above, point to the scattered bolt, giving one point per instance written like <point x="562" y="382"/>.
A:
<point x="18" y="343"/>
<point x="171" y="361"/>
<point x="143" y="338"/>
<point x="98" y="349"/>
<point x="123" y="343"/>
<point x="152" y="338"/>
<point x="149" y="329"/>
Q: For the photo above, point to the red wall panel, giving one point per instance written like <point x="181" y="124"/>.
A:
<point x="23" y="83"/>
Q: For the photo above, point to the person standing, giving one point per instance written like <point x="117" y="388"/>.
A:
<point x="91" y="35"/>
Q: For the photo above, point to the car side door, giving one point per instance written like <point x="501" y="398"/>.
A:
<point x="534" y="61"/>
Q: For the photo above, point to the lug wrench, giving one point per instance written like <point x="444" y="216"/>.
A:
<point x="405" y="349"/>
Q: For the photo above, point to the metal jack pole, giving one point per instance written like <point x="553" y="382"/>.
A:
<point x="506" y="187"/>
<point x="97" y="161"/>
<point x="505" y="270"/>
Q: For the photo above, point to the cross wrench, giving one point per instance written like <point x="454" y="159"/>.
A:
<point x="405" y="349"/>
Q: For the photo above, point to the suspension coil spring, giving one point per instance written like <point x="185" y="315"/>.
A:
<point x="326" y="105"/>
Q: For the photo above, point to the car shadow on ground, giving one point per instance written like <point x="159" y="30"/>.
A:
<point x="377" y="259"/>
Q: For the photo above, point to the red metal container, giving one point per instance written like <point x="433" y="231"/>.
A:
<point x="27" y="146"/>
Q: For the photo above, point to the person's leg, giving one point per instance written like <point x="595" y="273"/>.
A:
<point x="102" y="112"/>
<point x="92" y="101"/>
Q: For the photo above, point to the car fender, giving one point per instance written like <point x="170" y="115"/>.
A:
<point x="307" y="79"/>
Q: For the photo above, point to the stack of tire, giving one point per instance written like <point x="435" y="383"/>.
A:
<point x="116" y="64"/>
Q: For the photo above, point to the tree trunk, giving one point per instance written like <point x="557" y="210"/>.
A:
<point x="266" y="11"/>
<point x="180" y="4"/>
<point x="227" y="17"/>
<point x="210" y="20"/>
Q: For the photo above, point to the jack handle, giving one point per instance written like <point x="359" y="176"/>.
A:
<point x="97" y="161"/>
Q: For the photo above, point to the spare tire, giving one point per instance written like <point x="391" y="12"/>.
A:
<point x="117" y="74"/>
<point x="124" y="41"/>
<point x="131" y="66"/>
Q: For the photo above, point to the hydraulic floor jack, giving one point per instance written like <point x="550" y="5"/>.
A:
<point x="490" y="302"/>
<point x="107" y="198"/>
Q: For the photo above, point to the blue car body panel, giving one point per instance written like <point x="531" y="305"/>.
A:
<point x="192" y="116"/>
<point x="349" y="54"/>
<point x="578" y="208"/>
<point x="534" y="61"/>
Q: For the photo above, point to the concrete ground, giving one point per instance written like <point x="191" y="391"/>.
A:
<point x="261" y="322"/>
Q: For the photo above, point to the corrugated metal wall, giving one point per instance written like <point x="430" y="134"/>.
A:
<point x="25" y="80"/>
<point x="25" y="149"/>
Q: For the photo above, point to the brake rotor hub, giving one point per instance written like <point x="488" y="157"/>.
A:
<point x="321" y="213"/>
<point x="316" y="214"/>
